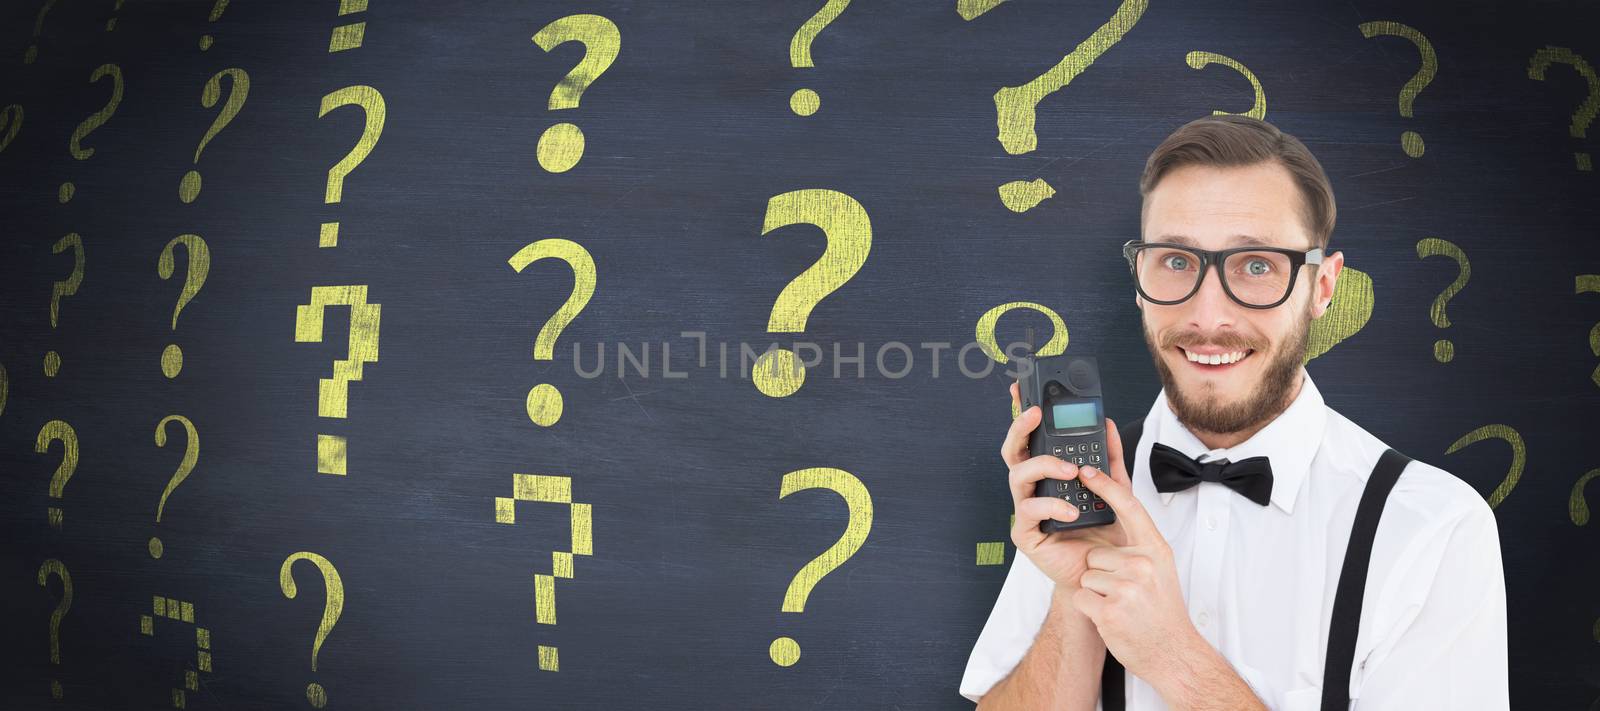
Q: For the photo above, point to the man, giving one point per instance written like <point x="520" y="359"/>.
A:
<point x="1212" y="597"/>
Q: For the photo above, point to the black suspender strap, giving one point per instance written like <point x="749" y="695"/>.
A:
<point x="1347" y="599"/>
<point x="1111" y="677"/>
<point x="1353" y="581"/>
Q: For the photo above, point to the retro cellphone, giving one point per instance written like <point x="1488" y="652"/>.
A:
<point x="1073" y="428"/>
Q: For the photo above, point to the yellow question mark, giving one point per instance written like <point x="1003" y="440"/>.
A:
<point x="784" y="651"/>
<point x="1410" y="141"/>
<point x="1347" y="313"/>
<point x="1577" y="507"/>
<point x="333" y="394"/>
<point x="11" y="122"/>
<point x="199" y="265"/>
<point x="1443" y="349"/>
<point x="779" y="373"/>
<point x="1198" y="60"/>
<point x="561" y="145"/>
<point x="191" y="454"/>
<point x="315" y="694"/>
<point x="1519" y="456"/>
<point x="994" y="552"/>
<point x="1588" y="284"/>
<point x="58" y="431"/>
<point x="550" y="489"/>
<point x="95" y="120"/>
<point x="111" y="24"/>
<point x="65" y="287"/>
<point x="56" y="568"/>
<point x="375" y="111"/>
<point x="348" y="36"/>
<point x="1016" y="106"/>
<point x="544" y="400"/>
<point x="805" y="102"/>
<point x="1585" y="113"/>
<point x="38" y="26"/>
<point x="180" y="611"/>
<point x="216" y="14"/>
<point x="986" y="341"/>
<point x="238" y="90"/>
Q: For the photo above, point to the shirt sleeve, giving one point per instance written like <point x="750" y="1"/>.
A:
<point x="1452" y="654"/>
<point x="1018" y="614"/>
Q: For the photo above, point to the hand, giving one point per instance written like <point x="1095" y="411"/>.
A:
<point x="1131" y="589"/>
<point x="1061" y="555"/>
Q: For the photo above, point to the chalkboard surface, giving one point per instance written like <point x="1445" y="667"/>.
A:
<point x="374" y="459"/>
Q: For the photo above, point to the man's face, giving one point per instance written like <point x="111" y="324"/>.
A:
<point x="1218" y="208"/>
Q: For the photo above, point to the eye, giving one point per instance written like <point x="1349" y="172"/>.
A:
<point x="1176" y="262"/>
<point x="1257" y="267"/>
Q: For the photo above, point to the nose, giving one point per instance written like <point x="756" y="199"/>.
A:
<point x="1210" y="308"/>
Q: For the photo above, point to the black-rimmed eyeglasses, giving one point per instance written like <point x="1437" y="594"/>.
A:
<point x="1254" y="277"/>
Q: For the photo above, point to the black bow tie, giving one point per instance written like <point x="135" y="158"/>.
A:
<point x="1172" y="470"/>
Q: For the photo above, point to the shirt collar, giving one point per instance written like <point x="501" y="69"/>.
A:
<point x="1290" y="441"/>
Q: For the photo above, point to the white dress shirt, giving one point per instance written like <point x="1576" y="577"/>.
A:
<point x="1259" y="581"/>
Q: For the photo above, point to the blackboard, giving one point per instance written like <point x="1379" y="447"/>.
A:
<point x="673" y="591"/>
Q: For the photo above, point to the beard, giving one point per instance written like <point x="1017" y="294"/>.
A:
<point x="1202" y="411"/>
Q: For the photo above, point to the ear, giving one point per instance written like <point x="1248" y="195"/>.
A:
<point x="1327" y="278"/>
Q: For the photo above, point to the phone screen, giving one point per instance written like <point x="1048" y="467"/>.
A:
<point x="1075" y="414"/>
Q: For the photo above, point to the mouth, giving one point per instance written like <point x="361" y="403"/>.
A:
<point x="1215" y="361"/>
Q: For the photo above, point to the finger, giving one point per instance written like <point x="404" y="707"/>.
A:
<point x="1016" y="394"/>
<point x="1136" y="522"/>
<point x="1028" y="473"/>
<point x="1031" y="511"/>
<point x="1015" y="448"/>
<point x="1109" y="558"/>
<point x="1099" y="581"/>
<point x="1118" y="469"/>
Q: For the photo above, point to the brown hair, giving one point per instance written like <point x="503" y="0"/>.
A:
<point x="1235" y="141"/>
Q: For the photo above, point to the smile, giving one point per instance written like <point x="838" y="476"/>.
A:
<point x="1216" y="361"/>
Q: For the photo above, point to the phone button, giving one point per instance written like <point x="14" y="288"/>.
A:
<point x="1083" y="507"/>
<point x="1056" y="450"/>
<point x="1099" y="505"/>
<point x="1096" y="446"/>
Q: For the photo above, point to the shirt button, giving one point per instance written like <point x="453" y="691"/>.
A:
<point x="1211" y="523"/>
<point x="1203" y="618"/>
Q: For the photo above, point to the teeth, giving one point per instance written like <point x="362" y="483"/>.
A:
<point x="1216" y="358"/>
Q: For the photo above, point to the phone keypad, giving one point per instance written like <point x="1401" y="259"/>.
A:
<point x="1072" y="490"/>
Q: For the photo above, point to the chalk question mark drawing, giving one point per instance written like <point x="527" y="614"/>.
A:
<point x="1443" y="350"/>
<point x="95" y="120"/>
<point x="65" y="287"/>
<point x="1519" y="456"/>
<point x="561" y="146"/>
<point x="333" y="394"/>
<point x="238" y="91"/>
<point x="199" y="265"/>
<point x="331" y="609"/>
<point x="58" y="431"/>
<point x="180" y="611"/>
<point x="1589" y="284"/>
<point x="376" y="112"/>
<point x="784" y="651"/>
<point x="1584" y="115"/>
<point x="1016" y="107"/>
<point x="994" y="552"/>
<point x="191" y="455"/>
<point x="32" y="52"/>
<point x="207" y="40"/>
<point x="550" y="489"/>
<point x="348" y="36"/>
<point x="848" y="230"/>
<point x="10" y="124"/>
<point x="1410" y="141"/>
<point x="1577" y="506"/>
<point x="544" y="403"/>
<point x="1199" y="60"/>
<point x="1347" y="313"/>
<point x="805" y="102"/>
<point x="59" y="570"/>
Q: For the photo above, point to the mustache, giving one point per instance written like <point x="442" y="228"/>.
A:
<point x="1229" y="340"/>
